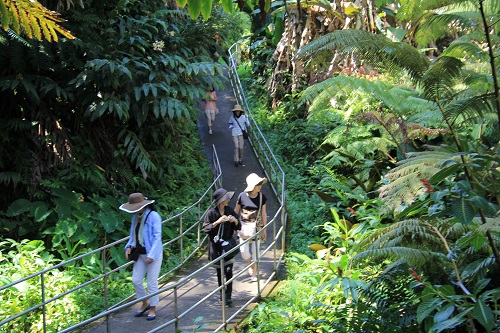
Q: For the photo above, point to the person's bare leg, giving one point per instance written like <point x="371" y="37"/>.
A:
<point x="152" y="311"/>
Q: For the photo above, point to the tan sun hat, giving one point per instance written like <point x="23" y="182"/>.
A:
<point x="237" y="107"/>
<point x="136" y="202"/>
<point x="253" y="180"/>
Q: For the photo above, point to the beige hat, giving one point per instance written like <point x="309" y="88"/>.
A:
<point x="136" y="202"/>
<point x="253" y="180"/>
<point x="237" y="107"/>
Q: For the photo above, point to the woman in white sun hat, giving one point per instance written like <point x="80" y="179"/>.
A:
<point x="251" y="207"/>
<point x="145" y="247"/>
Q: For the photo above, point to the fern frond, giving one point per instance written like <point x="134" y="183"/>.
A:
<point x="7" y="178"/>
<point x="374" y="49"/>
<point x="137" y="153"/>
<point x="402" y="56"/>
<point x="414" y="257"/>
<point x="403" y="100"/>
<point x="440" y="78"/>
<point x="31" y="17"/>
<point x="465" y="50"/>
<point x="389" y="286"/>
<point x="473" y="110"/>
<point x="349" y="40"/>
<point x="437" y="26"/>
<point x="404" y="180"/>
<point x="478" y="269"/>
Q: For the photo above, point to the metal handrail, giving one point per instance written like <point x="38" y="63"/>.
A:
<point x="104" y="250"/>
<point x="276" y="226"/>
<point x="259" y="144"/>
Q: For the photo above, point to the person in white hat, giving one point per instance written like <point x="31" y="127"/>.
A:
<point x="145" y="241"/>
<point x="251" y="207"/>
<point x="238" y="123"/>
<point x="221" y="223"/>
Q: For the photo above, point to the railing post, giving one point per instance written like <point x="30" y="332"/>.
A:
<point x="44" y="307"/>
<point x="181" y="240"/>
<point x="176" y="310"/>
<point x="105" y="282"/>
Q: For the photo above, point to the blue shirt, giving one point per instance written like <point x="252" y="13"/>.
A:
<point x="151" y="233"/>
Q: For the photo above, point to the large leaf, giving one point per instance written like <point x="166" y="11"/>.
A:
<point x="194" y="8"/>
<point x="227" y="5"/>
<point x="427" y="307"/>
<point x="181" y="3"/>
<point x="206" y="9"/>
<point x="484" y="315"/>
<point x="18" y="207"/>
<point x="110" y="222"/>
<point x="463" y="210"/>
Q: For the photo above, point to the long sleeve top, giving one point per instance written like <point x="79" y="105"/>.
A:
<point x="243" y="122"/>
<point x="151" y="233"/>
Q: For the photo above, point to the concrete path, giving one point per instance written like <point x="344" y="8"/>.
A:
<point x="208" y="316"/>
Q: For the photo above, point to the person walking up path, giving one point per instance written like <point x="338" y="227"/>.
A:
<point x="234" y="180"/>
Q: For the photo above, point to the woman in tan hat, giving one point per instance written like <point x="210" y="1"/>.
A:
<point x="221" y="223"/>
<point x="210" y="107"/>
<point x="238" y="123"/>
<point x="251" y="206"/>
<point x="145" y="247"/>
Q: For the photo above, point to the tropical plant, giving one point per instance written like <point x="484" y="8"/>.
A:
<point x="32" y="19"/>
<point x="105" y="114"/>
<point x="452" y="266"/>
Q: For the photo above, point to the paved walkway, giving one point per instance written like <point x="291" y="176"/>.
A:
<point x="233" y="179"/>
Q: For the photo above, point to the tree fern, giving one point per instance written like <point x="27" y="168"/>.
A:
<point x="405" y="183"/>
<point x="374" y="49"/>
<point x="440" y="78"/>
<point x="419" y="243"/>
<point x="412" y="256"/>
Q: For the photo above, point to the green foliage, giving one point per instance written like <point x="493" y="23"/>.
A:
<point x="103" y="115"/>
<point x="32" y="19"/>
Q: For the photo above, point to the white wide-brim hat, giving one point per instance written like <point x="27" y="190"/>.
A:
<point x="253" y="180"/>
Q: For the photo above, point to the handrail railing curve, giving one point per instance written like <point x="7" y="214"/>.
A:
<point x="276" y="227"/>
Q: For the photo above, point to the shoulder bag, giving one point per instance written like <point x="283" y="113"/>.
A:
<point x="224" y="246"/>
<point x="134" y="251"/>
<point x="250" y="221"/>
<point x="245" y="133"/>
